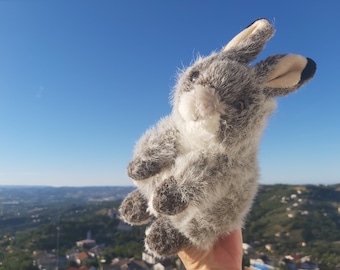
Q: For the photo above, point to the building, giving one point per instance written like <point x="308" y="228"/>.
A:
<point x="125" y="264"/>
<point x="82" y="258"/>
<point x="87" y="243"/>
<point x="47" y="261"/>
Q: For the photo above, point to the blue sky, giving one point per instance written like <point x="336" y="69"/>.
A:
<point x="80" y="81"/>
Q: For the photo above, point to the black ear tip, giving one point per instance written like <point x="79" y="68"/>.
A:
<point x="309" y="70"/>
<point x="259" y="19"/>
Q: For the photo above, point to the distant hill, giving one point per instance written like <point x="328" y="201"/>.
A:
<point x="23" y="207"/>
<point x="33" y="194"/>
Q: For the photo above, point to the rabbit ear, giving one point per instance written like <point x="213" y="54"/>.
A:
<point x="284" y="74"/>
<point x="250" y="42"/>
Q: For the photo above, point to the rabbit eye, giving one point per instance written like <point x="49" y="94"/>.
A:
<point x="239" y="105"/>
<point x="194" y="76"/>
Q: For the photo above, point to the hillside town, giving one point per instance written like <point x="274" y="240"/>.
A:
<point x="87" y="251"/>
<point x="289" y="227"/>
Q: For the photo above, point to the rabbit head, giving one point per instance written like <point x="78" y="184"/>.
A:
<point x="225" y="95"/>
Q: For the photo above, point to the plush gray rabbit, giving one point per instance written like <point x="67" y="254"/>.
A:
<point x="197" y="170"/>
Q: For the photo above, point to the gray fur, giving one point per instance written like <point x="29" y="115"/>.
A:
<point x="197" y="170"/>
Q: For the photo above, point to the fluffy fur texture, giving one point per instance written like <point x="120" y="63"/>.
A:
<point x="197" y="170"/>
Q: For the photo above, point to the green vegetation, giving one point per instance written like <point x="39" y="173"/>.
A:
<point x="313" y="227"/>
<point x="72" y="228"/>
<point x="302" y="220"/>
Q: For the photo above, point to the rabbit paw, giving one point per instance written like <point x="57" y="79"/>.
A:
<point x="164" y="240"/>
<point x="134" y="209"/>
<point x="169" y="199"/>
<point x="139" y="169"/>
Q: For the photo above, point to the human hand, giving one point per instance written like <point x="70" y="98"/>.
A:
<point x="226" y="254"/>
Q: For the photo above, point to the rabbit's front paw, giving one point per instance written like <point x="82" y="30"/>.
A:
<point x="139" y="169"/>
<point x="134" y="209"/>
<point x="169" y="199"/>
<point x="163" y="240"/>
